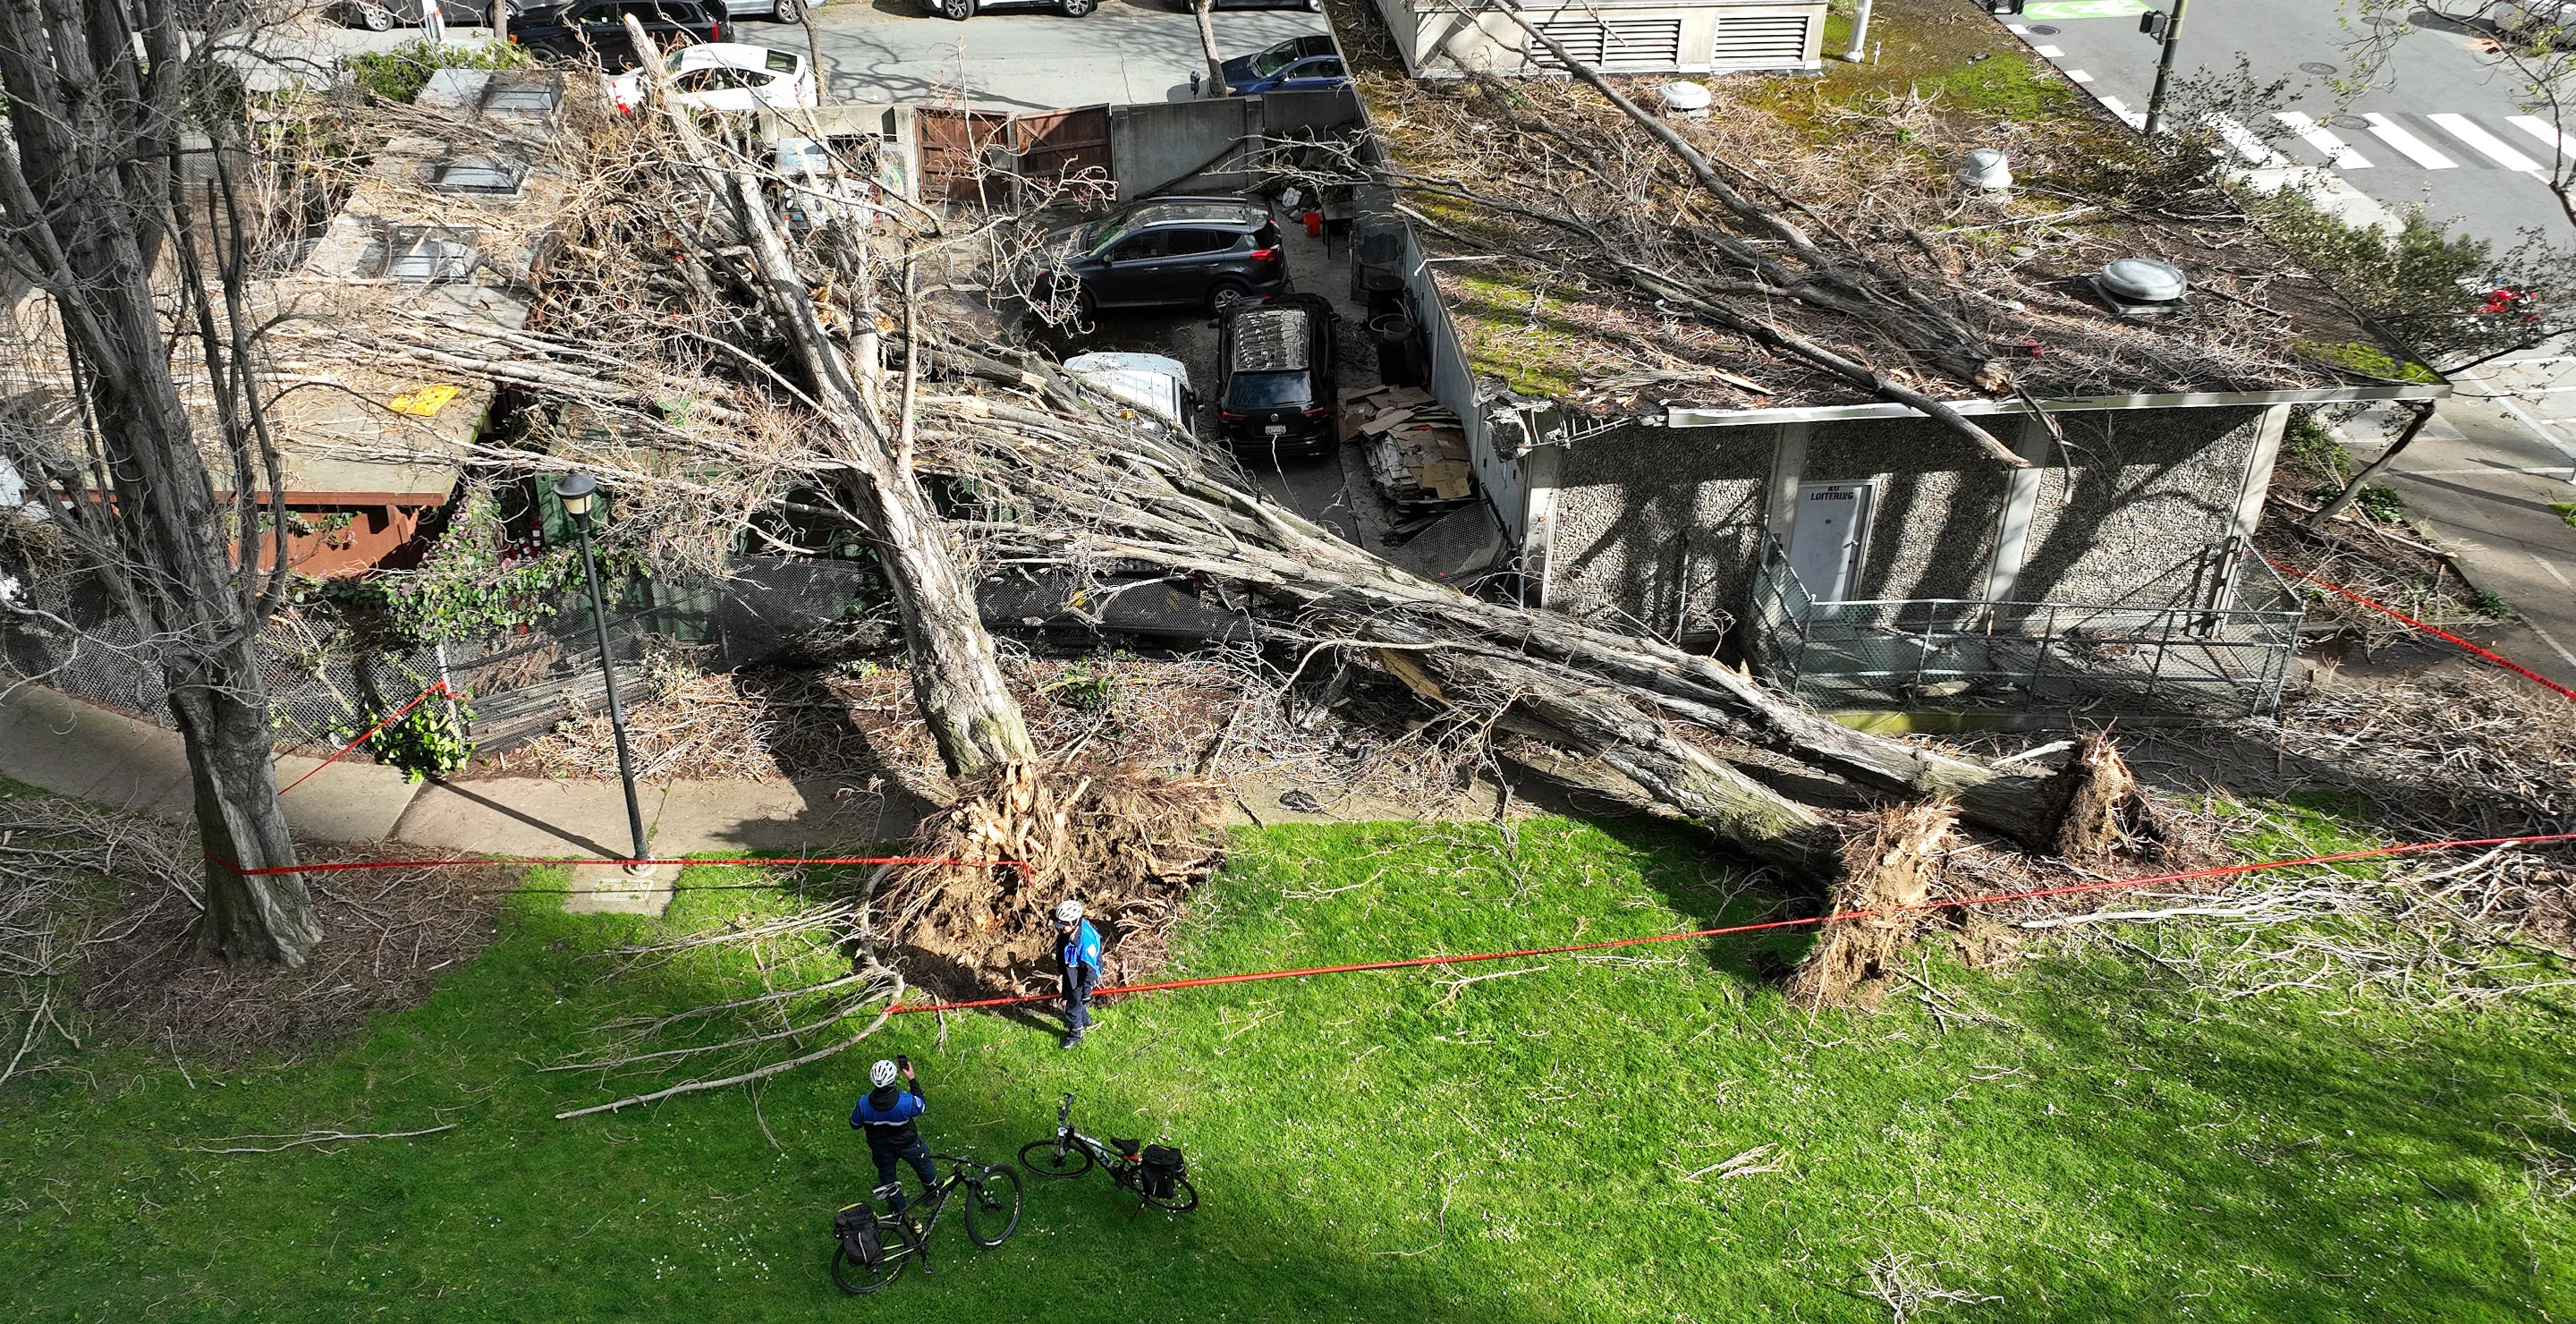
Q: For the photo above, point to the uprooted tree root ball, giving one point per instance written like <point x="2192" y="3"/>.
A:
<point x="1128" y="844"/>
<point x="1889" y="863"/>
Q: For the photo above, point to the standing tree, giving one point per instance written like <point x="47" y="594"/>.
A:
<point x="147" y="278"/>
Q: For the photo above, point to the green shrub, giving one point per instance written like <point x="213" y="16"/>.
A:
<point x="2448" y="296"/>
<point x="399" y="74"/>
<point x="2381" y="503"/>
<point x="425" y="742"/>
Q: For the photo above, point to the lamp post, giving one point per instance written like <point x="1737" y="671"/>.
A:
<point x="576" y="491"/>
<point x="2167" y="30"/>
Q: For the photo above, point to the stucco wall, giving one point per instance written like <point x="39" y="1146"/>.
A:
<point x="2148" y="493"/>
<point x="1627" y="500"/>
<point x="2122" y="514"/>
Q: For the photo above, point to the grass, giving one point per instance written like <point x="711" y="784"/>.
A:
<point x="1371" y="1147"/>
<point x="2565" y="510"/>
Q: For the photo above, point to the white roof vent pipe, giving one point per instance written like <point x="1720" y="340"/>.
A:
<point x="1685" y="101"/>
<point x="1985" y="169"/>
<point x="2142" y="287"/>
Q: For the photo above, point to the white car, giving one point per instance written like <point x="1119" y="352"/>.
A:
<point x="725" y="75"/>
<point x="1150" y="383"/>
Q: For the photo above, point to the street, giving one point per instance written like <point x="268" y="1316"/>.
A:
<point x="1032" y="58"/>
<point x="2442" y="125"/>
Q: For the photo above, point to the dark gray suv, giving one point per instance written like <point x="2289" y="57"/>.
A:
<point x="1206" y="251"/>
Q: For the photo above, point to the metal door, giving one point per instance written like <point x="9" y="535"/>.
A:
<point x="953" y="144"/>
<point x="1067" y="150"/>
<point x="1828" y="536"/>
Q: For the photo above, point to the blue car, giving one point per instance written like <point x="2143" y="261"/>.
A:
<point x="1299" y="64"/>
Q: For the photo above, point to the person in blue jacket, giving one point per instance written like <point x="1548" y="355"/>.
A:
<point x="1081" y="958"/>
<point x="887" y="1113"/>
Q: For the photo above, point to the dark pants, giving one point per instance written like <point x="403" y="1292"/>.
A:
<point x="1078" y="983"/>
<point x="917" y="1154"/>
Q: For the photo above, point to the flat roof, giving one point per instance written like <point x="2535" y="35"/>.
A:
<point x="1488" y="173"/>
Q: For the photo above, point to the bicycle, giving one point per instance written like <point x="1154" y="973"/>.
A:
<point x="992" y="1215"/>
<point x="1156" y="1173"/>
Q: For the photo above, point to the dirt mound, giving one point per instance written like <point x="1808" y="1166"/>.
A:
<point x="1889" y="862"/>
<point x="1130" y="844"/>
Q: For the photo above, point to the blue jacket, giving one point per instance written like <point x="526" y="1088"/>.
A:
<point x="886" y="1115"/>
<point x="1083" y="948"/>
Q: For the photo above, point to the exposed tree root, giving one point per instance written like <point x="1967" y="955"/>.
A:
<point x="1889" y="862"/>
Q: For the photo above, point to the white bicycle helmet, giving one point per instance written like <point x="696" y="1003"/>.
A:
<point x="882" y="1074"/>
<point x="1067" y="911"/>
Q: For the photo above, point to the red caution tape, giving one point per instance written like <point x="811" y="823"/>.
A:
<point x="439" y="687"/>
<point x="786" y="861"/>
<point x="2444" y="635"/>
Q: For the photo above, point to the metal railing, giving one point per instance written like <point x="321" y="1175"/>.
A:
<point x="2219" y="646"/>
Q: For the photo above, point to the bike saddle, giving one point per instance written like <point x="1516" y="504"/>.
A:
<point x="1125" y="1148"/>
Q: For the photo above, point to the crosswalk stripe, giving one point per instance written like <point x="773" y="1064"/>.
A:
<point x="2407" y="144"/>
<point x="2121" y="108"/>
<point x="2467" y="131"/>
<point x="2078" y="76"/>
<point x="2050" y="52"/>
<point x="2337" y="153"/>
<point x="2246" y="143"/>
<point x="2557" y="139"/>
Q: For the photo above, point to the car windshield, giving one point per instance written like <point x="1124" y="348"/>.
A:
<point x="1106" y="233"/>
<point x="1276" y="58"/>
<point x="1267" y="390"/>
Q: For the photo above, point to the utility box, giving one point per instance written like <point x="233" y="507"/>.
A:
<point x="1443" y="38"/>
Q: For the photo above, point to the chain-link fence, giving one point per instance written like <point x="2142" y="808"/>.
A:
<point x="2222" y="651"/>
<point x="328" y="675"/>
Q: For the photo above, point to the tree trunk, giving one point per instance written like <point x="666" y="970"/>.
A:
<point x="92" y="215"/>
<point x="956" y="676"/>
<point x="1205" y="12"/>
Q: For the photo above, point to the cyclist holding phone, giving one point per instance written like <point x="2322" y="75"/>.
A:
<point x="887" y="1113"/>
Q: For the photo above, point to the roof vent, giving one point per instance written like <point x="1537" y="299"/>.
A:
<point x="1685" y="101"/>
<point x="2142" y="287"/>
<point x="1985" y="169"/>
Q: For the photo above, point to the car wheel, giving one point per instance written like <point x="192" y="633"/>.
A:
<point x="1076" y="8"/>
<point x="959" y="10"/>
<point x="1314" y="6"/>
<point x="1226" y="294"/>
<point x="788" y="11"/>
<point x="374" y="18"/>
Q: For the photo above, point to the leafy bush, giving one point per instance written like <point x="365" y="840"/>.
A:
<point x="2449" y="297"/>
<point x="425" y="742"/>
<point x="2381" y="503"/>
<point x="399" y="74"/>
<point x="479" y="582"/>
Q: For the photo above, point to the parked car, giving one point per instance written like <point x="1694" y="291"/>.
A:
<point x="1212" y="251"/>
<point x="386" y="15"/>
<point x="961" y="10"/>
<point x="1299" y="64"/>
<point x="1151" y="383"/>
<point x="1276" y="360"/>
<point x="587" y="31"/>
<point x="725" y="76"/>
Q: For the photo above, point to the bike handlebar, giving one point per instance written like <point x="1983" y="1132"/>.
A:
<point x="1064" y="1109"/>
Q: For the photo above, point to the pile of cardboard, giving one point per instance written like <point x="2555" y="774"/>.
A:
<point x="1417" y="452"/>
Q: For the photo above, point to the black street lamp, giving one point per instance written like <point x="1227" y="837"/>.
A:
<point x="576" y="491"/>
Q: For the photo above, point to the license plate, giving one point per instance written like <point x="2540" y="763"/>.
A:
<point x="1275" y="430"/>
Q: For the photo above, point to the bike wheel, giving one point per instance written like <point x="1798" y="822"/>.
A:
<point x="1048" y="1158"/>
<point x="1184" y="1197"/>
<point x="860" y="1279"/>
<point x="993" y="1206"/>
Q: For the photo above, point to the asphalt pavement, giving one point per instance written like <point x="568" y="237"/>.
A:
<point x="2442" y="123"/>
<point x="1030" y="57"/>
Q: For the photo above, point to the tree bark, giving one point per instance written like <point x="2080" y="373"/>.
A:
<point x="92" y="214"/>
<point x="956" y="677"/>
<point x="1205" y="12"/>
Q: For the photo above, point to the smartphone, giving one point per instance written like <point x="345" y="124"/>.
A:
<point x="902" y="1063"/>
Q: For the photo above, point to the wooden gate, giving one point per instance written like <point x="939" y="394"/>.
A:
<point x="953" y="147"/>
<point x="1058" y="148"/>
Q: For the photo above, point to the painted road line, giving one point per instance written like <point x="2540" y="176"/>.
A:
<point x="2407" y="144"/>
<point x="2546" y="132"/>
<point x="2121" y="108"/>
<point x="2060" y="11"/>
<point x="2494" y="148"/>
<point x="2051" y="52"/>
<point x="2078" y="76"/>
<point x="2337" y="153"/>
<point x="2247" y="145"/>
<point x="2017" y="29"/>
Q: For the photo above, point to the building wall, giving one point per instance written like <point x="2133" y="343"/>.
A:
<point x="1451" y="37"/>
<point x="1661" y="525"/>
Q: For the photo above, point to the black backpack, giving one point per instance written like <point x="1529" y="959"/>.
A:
<point x="856" y="1226"/>
<point x="1162" y="1165"/>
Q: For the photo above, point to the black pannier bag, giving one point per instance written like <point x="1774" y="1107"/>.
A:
<point x="1162" y="1165"/>
<point x="856" y="1226"/>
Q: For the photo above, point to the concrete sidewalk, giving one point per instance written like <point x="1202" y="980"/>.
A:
<point x="2480" y="480"/>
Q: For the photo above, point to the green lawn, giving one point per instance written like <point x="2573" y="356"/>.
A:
<point x="1368" y="1147"/>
